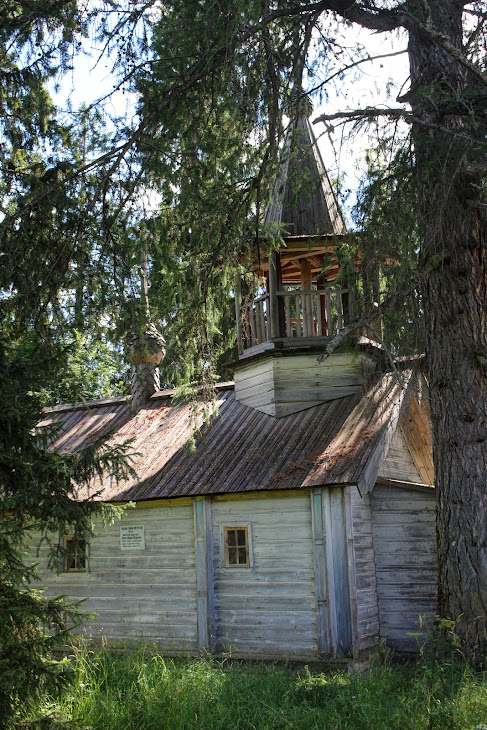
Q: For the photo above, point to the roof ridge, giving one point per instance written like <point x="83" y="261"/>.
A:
<point x="125" y="399"/>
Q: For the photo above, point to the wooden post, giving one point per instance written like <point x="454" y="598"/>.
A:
<point x="205" y="583"/>
<point x="273" y="298"/>
<point x="317" y="526"/>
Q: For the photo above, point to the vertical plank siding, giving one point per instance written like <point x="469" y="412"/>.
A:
<point x="141" y="594"/>
<point x="403" y="527"/>
<point x="364" y="587"/>
<point x="204" y="572"/>
<point x="320" y="572"/>
<point x="269" y="608"/>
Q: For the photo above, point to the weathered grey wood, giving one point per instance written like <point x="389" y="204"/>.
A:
<point x="283" y="385"/>
<point x="210" y="570"/>
<point x="351" y="559"/>
<point x="271" y="607"/>
<point x="204" y="572"/>
<point x="398" y="463"/>
<point x="403" y="525"/>
<point x="368" y="630"/>
<point x="140" y="594"/>
<point x="331" y="330"/>
<point x="319" y="317"/>
<point x="322" y="625"/>
<point x="381" y="447"/>
<point x="287" y="306"/>
<point x="299" y="310"/>
<point x="335" y="527"/>
<point x="339" y="310"/>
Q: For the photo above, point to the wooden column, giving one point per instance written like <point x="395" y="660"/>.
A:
<point x="319" y="554"/>
<point x="273" y="298"/>
<point x="205" y="581"/>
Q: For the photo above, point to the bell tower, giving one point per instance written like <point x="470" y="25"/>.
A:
<point x="299" y="307"/>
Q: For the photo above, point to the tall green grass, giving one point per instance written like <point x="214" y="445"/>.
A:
<point x="140" y="690"/>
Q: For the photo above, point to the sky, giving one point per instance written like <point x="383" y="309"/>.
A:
<point x="374" y="83"/>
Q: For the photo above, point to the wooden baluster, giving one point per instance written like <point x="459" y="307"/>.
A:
<point x="304" y="305"/>
<point x="328" y="315"/>
<point x="253" y="334"/>
<point x="324" y="329"/>
<point x="319" y="325"/>
<point x="309" y="312"/>
<point x="298" y="315"/>
<point x="289" y="326"/>
<point x="339" y="310"/>
<point x="262" y="322"/>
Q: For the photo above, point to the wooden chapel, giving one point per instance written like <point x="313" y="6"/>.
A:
<point x="302" y="524"/>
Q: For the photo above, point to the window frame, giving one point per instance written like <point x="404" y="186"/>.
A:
<point x="66" y="540"/>
<point x="224" y="528"/>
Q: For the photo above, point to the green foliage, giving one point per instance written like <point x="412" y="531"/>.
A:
<point x="37" y="492"/>
<point x="389" y="246"/>
<point x="140" y="689"/>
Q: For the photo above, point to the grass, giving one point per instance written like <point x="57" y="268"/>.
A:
<point x="140" y="690"/>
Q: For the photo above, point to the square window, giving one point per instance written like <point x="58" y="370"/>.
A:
<point x="236" y="541"/>
<point x="74" y="555"/>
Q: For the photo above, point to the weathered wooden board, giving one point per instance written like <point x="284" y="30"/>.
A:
<point x="398" y="463"/>
<point x="416" y="425"/>
<point x="282" y="385"/>
<point x="149" y="593"/>
<point x="269" y="608"/>
<point x="338" y="587"/>
<point x="364" y="592"/>
<point x="403" y="528"/>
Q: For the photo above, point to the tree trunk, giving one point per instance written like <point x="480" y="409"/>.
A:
<point x="453" y="227"/>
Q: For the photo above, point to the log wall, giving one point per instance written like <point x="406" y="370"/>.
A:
<point x="145" y="594"/>
<point x="268" y="609"/>
<point x="403" y="530"/>
<point x="365" y="607"/>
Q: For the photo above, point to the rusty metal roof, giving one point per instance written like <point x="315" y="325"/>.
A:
<point x="238" y="449"/>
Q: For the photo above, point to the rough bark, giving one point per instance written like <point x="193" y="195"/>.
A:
<point x="453" y="219"/>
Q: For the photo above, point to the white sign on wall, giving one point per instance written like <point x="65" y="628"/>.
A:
<point x="132" y="537"/>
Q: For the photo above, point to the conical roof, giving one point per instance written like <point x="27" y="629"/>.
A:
<point x="302" y="199"/>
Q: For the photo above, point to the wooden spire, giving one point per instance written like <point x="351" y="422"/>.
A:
<point x="303" y="200"/>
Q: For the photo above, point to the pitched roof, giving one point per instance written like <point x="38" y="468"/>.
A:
<point x="303" y="199"/>
<point x="356" y="453"/>
<point x="238" y="449"/>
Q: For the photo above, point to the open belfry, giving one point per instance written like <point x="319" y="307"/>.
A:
<point x="302" y="305"/>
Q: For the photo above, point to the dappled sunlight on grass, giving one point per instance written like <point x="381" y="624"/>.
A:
<point x="138" y="689"/>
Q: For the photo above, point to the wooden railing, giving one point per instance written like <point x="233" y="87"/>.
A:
<point x="255" y="322"/>
<point x="302" y="314"/>
<point x="315" y="313"/>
